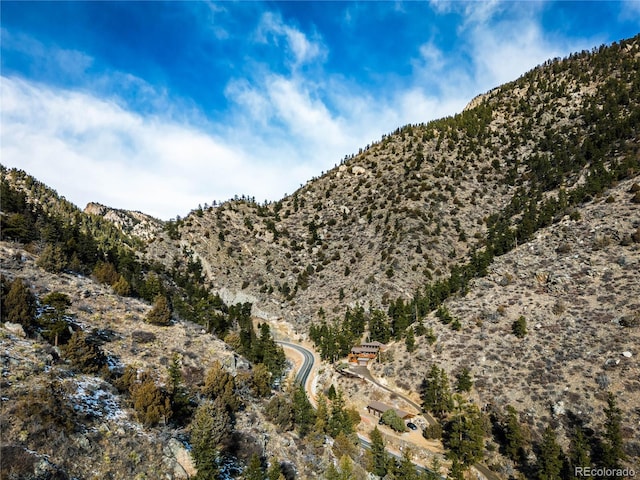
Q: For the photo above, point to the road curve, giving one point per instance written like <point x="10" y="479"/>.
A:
<point x="307" y="361"/>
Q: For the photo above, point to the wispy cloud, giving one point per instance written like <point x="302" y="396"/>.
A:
<point x="301" y="49"/>
<point x="101" y="152"/>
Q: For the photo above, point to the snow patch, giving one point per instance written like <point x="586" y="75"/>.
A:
<point x="92" y="399"/>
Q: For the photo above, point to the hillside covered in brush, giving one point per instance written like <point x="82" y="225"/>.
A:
<point x="416" y="215"/>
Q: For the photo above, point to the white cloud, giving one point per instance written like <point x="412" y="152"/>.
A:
<point x="94" y="150"/>
<point x="299" y="46"/>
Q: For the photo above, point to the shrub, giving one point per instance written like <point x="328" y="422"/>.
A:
<point x="85" y="356"/>
<point x="160" y="314"/>
<point x="150" y="402"/>
<point x="519" y="327"/>
<point x="433" y="432"/>
<point x="391" y="418"/>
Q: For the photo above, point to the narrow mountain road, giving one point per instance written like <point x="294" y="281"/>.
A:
<point x="365" y="373"/>
<point x="308" y="360"/>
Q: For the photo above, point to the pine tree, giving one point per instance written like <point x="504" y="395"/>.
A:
<point x="436" y="394"/>
<point x="52" y="259"/>
<point x="613" y="451"/>
<point x="19" y="306"/>
<point x="410" y="340"/>
<point x="177" y="392"/>
<point x="275" y="472"/>
<point x="464" y="435"/>
<point x="321" y="426"/>
<point x="122" y="287"/>
<point x="550" y="457"/>
<point x="514" y="447"/>
<point x="303" y="414"/>
<point x="150" y="403"/>
<point x="261" y="380"/>
<point x="220" y="384"/>
<point x="340" y="420"/>
<point x="85" y="356"/>
<point x="160" y="313"/>
<point x="54" y="318"/>
<point x="210" y="426"/>
<point x="579" y="451"/>
<point x="406" y="469"/>
<point x="464" y="382"/>
<point x="345" y="445"/>
<point x="456" y="472"/>
<point x="379" y="459"/>
<point x="254" y="470"/>
<point x="519" y="327"/>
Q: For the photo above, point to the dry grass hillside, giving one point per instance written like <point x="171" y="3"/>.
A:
<point x="57" y="423"/>
<point x="577" y="286"/>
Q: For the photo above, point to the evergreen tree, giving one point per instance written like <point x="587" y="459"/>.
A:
<point x="379" y="459"/>
<point x="160" y="313"/>
<point x="19" y="306"/>
<point x="275" y="472"/>
<point x="220" y="384"/>
<point x="340" y="420"/>
<point x="303" y="414"/>
<point x="210" y="426"/>
<point x="52" y="259"/>
<point x="280" y="411"/>
<point x="464" y="435"/>
<point x="613" y="450"/>
<point x="519" y="327"/>
<point x="379" y="329"/>
<point x="321" y="426"/>
<point x="420" y="329"/>
<point x="261" y="380"/>
<point x="254" y="470"/>
<point x="456" y="472"/>
<point x="122" y="287"/>
<point x="345" y="445"/>
<point x="410" y="341"/>
<point x="436" y="394"/>
<point x="85" y="356"/>
<point x="54" y="318"/>
<point x="464" y="382"/>
<point x="406" y="469"/>
<point x="514" y="447"/>
<point x="177" y="392"/>
<point x="150" y="402"/>
<point x="579" y="450"/>
<point x="550" y="459"/>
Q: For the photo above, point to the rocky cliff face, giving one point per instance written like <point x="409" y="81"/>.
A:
<point x="133" y="223"/>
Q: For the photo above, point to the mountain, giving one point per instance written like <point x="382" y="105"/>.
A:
<point x="504" y="240"/>
<point x="408" y="209"/>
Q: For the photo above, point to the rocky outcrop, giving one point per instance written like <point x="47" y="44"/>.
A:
<point x="134" y="223"/>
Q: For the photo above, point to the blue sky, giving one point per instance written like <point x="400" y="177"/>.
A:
<point x="160" y="107"/>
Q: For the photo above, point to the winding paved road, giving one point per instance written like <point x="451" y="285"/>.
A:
<point x="307" y="361"/>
